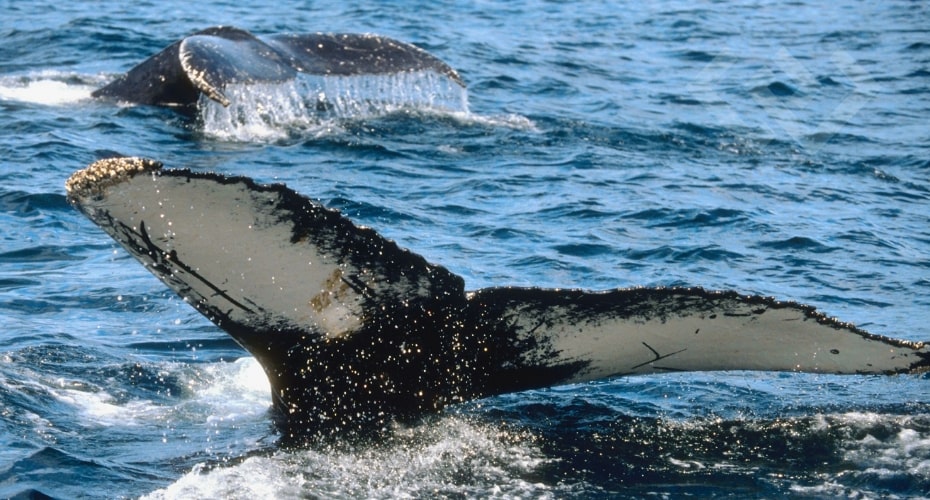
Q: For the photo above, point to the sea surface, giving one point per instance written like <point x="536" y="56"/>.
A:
<point x="777" y="147"/>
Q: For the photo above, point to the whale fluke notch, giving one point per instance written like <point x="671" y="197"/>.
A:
<point x="354" y="331"/>
<point x="205" y="62"/>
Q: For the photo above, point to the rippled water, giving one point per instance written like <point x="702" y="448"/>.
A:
<point x="779" y="148"/>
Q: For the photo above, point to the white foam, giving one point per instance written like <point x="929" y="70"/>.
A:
<point x="46" y="88"/>
<point x="511" y="121"/>
<point x="100" y="408"/>
<point x="233" y="390"/>
<point x="907" y="450"/>
<point x="888" y="457"/>
<point x="218" y="393"/>
<point x="450" y="457"/>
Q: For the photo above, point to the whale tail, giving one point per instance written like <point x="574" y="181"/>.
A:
<point x="205" y="62"/>
<point x="354" y="331"/>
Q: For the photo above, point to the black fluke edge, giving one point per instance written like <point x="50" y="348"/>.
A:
<point x="355" y="333"/>
<point x="205" y="62"/>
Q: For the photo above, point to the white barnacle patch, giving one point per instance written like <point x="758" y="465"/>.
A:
<point x="199" y="77"/>
<point x="101" y="174"/>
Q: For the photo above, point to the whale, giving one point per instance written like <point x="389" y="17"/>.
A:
<point x="358" y="334"/>
<point x="204" y="63"/>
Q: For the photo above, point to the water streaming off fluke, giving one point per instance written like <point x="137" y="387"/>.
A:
<point x="311" y="104"/>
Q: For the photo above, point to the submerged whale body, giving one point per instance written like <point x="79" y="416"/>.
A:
<point x="355" y="332"/>
<point x="205" y="62"/>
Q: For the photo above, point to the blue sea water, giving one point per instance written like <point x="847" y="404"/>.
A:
<point x="779" y="148"/>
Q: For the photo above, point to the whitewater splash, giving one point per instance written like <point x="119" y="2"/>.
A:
<point x="312" y="104"/>
<point x="47" y="88"/>
<point x="220" y="394"/>
<point x="452" y="457"/>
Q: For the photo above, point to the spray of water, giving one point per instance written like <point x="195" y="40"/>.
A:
<point x="314" y="105"/>
<point x="450" y="458"/>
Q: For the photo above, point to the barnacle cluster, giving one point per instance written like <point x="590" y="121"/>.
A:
<point x="102" y="173"/>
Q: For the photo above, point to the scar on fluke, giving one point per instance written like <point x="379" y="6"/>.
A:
<point x="657" y="357"/>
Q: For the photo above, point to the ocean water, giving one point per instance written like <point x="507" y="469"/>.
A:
<point x="779" y="148"/>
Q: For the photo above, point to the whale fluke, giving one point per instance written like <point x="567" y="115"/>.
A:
<point x="354" y="331"/>
<point x="205" y="62"/>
